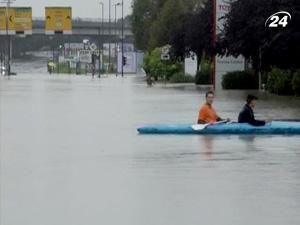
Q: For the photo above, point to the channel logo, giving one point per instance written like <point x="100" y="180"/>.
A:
<point x="279" y="19"/>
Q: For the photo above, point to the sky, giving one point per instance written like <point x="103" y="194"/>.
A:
<point x="80" y="8"/>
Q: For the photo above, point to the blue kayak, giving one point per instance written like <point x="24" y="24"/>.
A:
<point x="274" y="128"/>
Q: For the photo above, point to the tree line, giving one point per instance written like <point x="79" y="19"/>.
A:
<point x="187" y="25"/>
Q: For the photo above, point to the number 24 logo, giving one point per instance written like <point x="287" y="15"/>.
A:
<point x="281" y="18"/>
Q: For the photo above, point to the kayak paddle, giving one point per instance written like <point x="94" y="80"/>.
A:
<point x="203" y="126"/>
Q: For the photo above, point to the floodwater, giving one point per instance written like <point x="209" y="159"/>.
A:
<point x="70" y="155"/>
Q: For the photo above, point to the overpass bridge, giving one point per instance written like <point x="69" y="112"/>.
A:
<point x="96" y="31"/>
<point x="91" y="27"/>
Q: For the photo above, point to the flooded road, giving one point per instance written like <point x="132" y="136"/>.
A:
<point x="70" y="154"/>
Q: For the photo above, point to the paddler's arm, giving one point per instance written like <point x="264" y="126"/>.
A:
<point x="257" y="123"/>
<point x="202" y="115"/>
<point x="201" y="121"/>
<point x="246" y="116"/>
<point x="221" y="119"/>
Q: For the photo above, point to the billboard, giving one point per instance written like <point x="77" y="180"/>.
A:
<point x="58" y="20"/>
<point x="23" y="20"/>
<point x="4" y="20"/>
<point x="224" y="64"/>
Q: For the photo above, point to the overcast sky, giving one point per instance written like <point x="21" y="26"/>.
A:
<point x="81" y="8"/>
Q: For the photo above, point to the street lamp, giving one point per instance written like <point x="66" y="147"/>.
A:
<point x="116" y="35"/>
<point x="122" y="71"/>
<point x="8" y="38"/>
<point x="63" y="50"/>
<point x="86" y="44"/>
<point x="60" y="48"/>
<point x="102" y="32"/>
<point x="109" y="45"/>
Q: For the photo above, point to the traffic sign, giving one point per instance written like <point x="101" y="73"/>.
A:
<point x="58" y="20"/>
<point x="3" y="20"/>
<point x="23" y="20"/>
<point x="85" y="56"/>
<point x="93" y="47"/>
<point x="97" y="52"/>
<point x="165" y="52"/>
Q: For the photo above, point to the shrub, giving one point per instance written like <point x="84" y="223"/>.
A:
<point x="182" y="78"/>
<point x="155" y="67"/>
<point x="204" y="75"/>
<point x="280" y="82"/>
<point x="296" y="83"/>
<point x="171" y="69"/>
<point x="240" y="80"/>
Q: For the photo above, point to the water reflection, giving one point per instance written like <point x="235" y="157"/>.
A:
<point x="211" y="147"/>
<point x="73" y="140"/>
<point x="207" y="146"/>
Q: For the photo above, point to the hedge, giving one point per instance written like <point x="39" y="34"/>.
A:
<point x="296" y="83"/>
<point x="182" y="78"/>
<point x="240" y="80"/>
<point x="280" y="82"/>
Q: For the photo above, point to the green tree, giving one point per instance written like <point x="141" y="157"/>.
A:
<point x="186" y="25"/>
<point x="198" y="31"/>
<point x="245" y="33"/>
<point x="144" y="13"/>
<point x="166" y="24"/>
<point x="141" y="18"/>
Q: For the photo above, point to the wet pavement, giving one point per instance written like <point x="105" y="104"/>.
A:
<point x="70" y="154"/>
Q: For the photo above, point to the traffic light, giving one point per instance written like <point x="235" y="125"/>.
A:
<point x="124" y="60"/>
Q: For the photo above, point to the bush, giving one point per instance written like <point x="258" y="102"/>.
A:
<point x="171" y="69"/>
<point x="296" y="83"/>
<point x="280" y="82"/>
<point x="204" y="76"/>
<point x="155" y="67"/>
<point x="240" y="80"/>
<point x="182" y="78"/>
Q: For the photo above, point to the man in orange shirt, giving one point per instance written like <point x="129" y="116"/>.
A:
<point x="207" y="113"/>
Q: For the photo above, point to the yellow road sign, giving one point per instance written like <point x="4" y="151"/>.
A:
<point x="58" y="20"/>
<point x="4" y="20"/>
<point x="23" y="20"/>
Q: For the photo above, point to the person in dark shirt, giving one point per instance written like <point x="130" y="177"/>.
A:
<point x="247" y="114"/>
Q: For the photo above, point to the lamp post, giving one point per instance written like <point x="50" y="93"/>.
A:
<point x="122" y="39"/>
<point x="109" y="33"/>
<point x="102" y="33"/>
<point x="60" y="47"/>
<point x="86" y="44"/>
<point x="116" y="35"/>
<point x="8" y="38"/>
